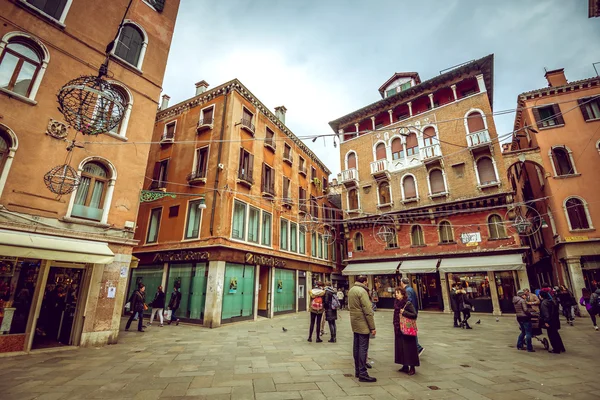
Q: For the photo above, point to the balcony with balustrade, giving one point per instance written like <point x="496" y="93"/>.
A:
<point x="247" y="125"/>
<point x="380" y="169"/>
<point x="205" y="124"/>
<point x="349" y="177"/>
<point x="431" y="153"/>
<point x="197" y="177"/>
<point x="479" y="139"/>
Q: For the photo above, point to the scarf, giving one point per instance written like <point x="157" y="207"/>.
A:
<point x="400" y="304"/>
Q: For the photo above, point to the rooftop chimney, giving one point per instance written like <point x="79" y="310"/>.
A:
<point x="280" y="113"/>
<point x="165" y="102"/>
<point x="201" y="87"/>
<point x="556" y="77"/>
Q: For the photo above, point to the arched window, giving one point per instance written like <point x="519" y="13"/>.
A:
<point x="393" y="240"/>
<point x="412" y="145"/>
<point x="131" y="45"/>
<point x="358" y="242"/>
<point x="409" y="188"/>
<point x="8" y="147"/>
<point x="94" y="194"/>
<point x="121" y="129"/>
<point x="351" y="160"/>
<point x="384" y="193"/>
<point x="496" y="227"/>
<point x="416" y="236"/>
<point x="352" y="199"/>
<point x="486" y="171"/>
<point x="380" y="152"/>
<point x="22" y="64"/>
<point x="577" y="214"/>
<point x="4" y="149"/>
<point x="446" y="235"/>
<point x="397" y="149"/>
<point x="562" y="161"/>
<point x="475" y="122"/>
<point x="436" y="180"/>
<point x="56" y="9"/>
<point x="429" y="138"/>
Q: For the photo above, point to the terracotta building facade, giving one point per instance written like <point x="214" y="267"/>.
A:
<point x="555" y="156"/>
<point x="238" y="216"/>
<point x="426" y="194"/>
<point x="64" y="260"/>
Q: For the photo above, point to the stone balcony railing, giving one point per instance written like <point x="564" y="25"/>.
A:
<point x="479" y="138"/>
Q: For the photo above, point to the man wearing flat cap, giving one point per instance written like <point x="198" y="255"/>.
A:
<point x="523" y="311"/>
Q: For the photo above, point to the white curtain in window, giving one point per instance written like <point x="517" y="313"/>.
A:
<point x="239" y="220"/>
<point x="82" y="191"/>
<point x="293" y="237"/>
<point x="283" y="234"/>
<point x="97" y="195"/>
<point x="193" y="225"/>
<point x="253" y="222"/>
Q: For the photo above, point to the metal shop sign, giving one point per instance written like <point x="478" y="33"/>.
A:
<point x="256" y="259"/>
<point x="576" y="238"/>
<point x="183" y="255"/>
<point x="470" y="238"/>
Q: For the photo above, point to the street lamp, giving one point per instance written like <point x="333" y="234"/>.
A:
<point x="202" y="205"/>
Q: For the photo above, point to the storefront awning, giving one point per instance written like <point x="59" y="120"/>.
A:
<point x="32" y="245"/>
<point x="506" y="262"/>
<point x="374" y="268"/>
<point x="427" y="266"/>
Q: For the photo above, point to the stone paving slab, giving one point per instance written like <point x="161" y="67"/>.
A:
<point x="256" y="360"/>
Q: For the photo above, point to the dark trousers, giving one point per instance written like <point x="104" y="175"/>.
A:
<point x="361" y="348"/>
<point x="568" y="313"/>
<point x="593" y="317"/>
<point x="313" y="317"/>
<point x="173" y="317"/>
<point x="555" y="340"/>
<point x="140" y="320"/>
<point x="466" y="316"/>
<point x="525" y="327"/>
<point x="456" y="317"/>
<point x="332" y="328"/>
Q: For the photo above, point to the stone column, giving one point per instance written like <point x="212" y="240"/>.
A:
<point x="373" y="122"/>
<point x="431" y="101"/>
<point x="271" y="293"/>
<point x="410" y="108"/>
<point x="308" y="288"/>
<point x="390" y="112"/>
<point x="577" y="282"/>
<point x="481" y="83"/>
<point x="453" y="87"/>
<point x="165" y="277"/>
<point x="494" y="294"/>
<point x="445" y="293"/>
<point x="296" y="291"/>
<point x="214" y="294"/>
<point x="523" y="279"/>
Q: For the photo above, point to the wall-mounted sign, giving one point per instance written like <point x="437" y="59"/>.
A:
<point x="576" y="238"/>
<point x="256" y="259"/>
<point x="182" y="255"/>
<point x="470" y="238"/>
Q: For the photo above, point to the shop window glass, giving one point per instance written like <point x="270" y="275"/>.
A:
<point x="416" y="234"/>
<point x="284" y="298"/>
<point x="190" y="279"/>
<point x="507" y="289"/>
<point x="18" y="280"/>
<point x="154" y="225"/>
<point x="293" y="237"/>
<point x="385" y="285"/>
<point x="393" y="242"/>
<point x="238" y="293"/>
<point x="477" y="288"/>
<point x="358" y="242"/>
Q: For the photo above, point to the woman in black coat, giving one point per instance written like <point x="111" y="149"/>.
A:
<point x="158" y="306"/>
<point x="464" y="305"/>
<point x="550" y="320"/>
<point x="330" y="313"/>
<point x="405" y="347"/>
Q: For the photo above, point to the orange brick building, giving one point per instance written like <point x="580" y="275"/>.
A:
<point x="426" y="192"/>
<point x="556" y="135"/>
<point x="64" y="260"/>
<point x="238" y="217"/>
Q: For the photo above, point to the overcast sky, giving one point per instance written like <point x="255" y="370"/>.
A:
<point x="324" y="59"/>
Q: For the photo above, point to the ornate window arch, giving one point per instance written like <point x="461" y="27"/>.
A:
<point x="121" y="129"/>
<point x="8" y="147"/>
<point x="577" y="213"/>
<point x="416" y="235"/>
<point x="131" y="44"/>
<point x="359" y="243"/>
<point x="561" y="158"/>
<point x="397" y="147"/>
<point x="430" y="135"/>
<point x="23" y="63"/>
<point x="351" y="159"/>
<point x="445" y="231"/>
<point x="436" y="181"/>
<point x="93" y="197"/>
<point x="379" y="150"/>
<point x="496" y="227"/>
<point x="473" y="122"/>
<point x="409" y="187"/>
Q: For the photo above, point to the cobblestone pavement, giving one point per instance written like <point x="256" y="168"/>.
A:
<point x="258" y="360"/>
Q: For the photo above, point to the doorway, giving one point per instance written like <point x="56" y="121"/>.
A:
<point x="301" y="291"/>
<point x="263" y="292"/>
<point x="59" y="309"/>
<point x="429" y="293"/>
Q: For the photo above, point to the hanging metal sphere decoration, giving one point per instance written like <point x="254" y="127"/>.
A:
<point x="329" y="235"/>
<point x="309" y="222"/>
<point x="62" y="179"/>
<point x="523" y="220"/>
<point x="91" y="105"/>
<point x="383" y="229"/>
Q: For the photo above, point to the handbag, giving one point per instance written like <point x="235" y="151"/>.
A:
<point x="408" y="326"/>
<point x="167" y="314"/>
<point x="145" y="306"/>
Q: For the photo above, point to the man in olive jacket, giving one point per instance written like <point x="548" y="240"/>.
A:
<point x="363" y="324"/>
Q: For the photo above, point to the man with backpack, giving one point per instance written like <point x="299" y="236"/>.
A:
<point x="595" y="304"/>
<point x="316" y="310"/>
<point x="331" y="304"/>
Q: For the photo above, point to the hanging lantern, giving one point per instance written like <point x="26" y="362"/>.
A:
<point x="91" y="105"/>
<point x="62" y="179"/>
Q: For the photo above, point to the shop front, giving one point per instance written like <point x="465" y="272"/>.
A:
<point x="44" y="288"/>
<point x="284" y="298"/>
<point x="490" y="281"/>
<point x="425" y="280"/>
<point x="382" y="276"/>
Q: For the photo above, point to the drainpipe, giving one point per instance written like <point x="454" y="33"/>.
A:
<point x="214" y="202"/>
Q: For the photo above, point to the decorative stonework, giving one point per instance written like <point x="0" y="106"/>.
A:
<point x="56" y="129"/>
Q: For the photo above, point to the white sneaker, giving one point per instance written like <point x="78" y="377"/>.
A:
<point x="596" y="328"/>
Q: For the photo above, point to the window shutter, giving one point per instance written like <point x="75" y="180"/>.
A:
<point x="538" y="118"/>
<point x="165" y="179"/>
<point x="380" y="151"/>
<point x="409" y="188"/>
<point x="263" y="179"/>
<point x="396" y="146"/>
<point x="250" y="166"/>
<point x="241" y="171"/>
<point x="351" y="161"/>
<point x="582" y="107"/>
<point x="271" y="180"/>
<point x="159" y="5"/>
<point x="156" y="173"/>
<point x="576" y="213"/>
<point x="557" y="114"/>
<point x="411" y="141"/>
<point x="475" y="122"/>
<point x="436" y="180"/>
<point x="485" y="167"/>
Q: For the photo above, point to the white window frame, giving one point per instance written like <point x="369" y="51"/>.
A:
<point x="587" y="214"/>
<point x="148" y="225"/>
<point x="202" y="115"/>
<point x="487" y="222"/>
<point x="346" y="158"/>
<point x="387" y="150"/>
<point x="164" y="134"/>
<point x="422" y="233"/>
<point x="569" y="153"/>
<point x="475" y="165"/>
<point x="110" y="188"/>
<point x="140" y="62"/>
<point x="440" y="232"/>
<point x="122" y="133"/>
<point x="402" y="188"/>
<point x="187" y="217"/>
<point x="195" y="163"/>
<point x="12" y="149"/>
<point x="466" y="120"/>
<point x="354" y="241"/>
<point x="246" y="225"/>
<point x="441" y="194"/>
<point x="40" y="75"/>
<point x="60" y="21"/>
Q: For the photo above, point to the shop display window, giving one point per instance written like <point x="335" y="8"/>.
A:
<point x="385" y="285"/>
<point x="190" y="279"/>
<point x="18" y="279"/>
<point x="507" y="289"/>
<point x="477" y="286"/>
